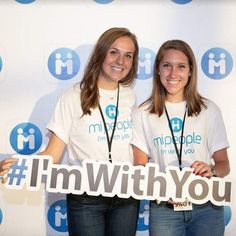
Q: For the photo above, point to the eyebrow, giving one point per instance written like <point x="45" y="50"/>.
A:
<point x="119" y="50"/>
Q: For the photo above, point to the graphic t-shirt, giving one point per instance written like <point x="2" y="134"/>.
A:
<point x="85" y="135"/>
<point x="203" y="134"/>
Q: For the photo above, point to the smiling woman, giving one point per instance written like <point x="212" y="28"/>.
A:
<point x="176" y="126"/>
<point x="95" y="127"/>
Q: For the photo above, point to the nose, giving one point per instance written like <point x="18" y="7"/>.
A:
<point x="173" y="71"/>
<point x="120" y="60"/>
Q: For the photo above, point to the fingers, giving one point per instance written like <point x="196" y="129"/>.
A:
<point x="202" y="169"/>
<point x="5" y="166"/>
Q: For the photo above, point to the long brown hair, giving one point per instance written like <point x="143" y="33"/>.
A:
<point x="88" y="85"/>
<point x="157" y="100"/>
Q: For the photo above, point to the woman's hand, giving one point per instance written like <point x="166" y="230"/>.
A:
<point x="5" y="166"/>
<point x="201" y="168"/>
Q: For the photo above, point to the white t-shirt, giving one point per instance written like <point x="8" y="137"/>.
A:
<point x="85" y="136"/>
<point x="203" y="134"/>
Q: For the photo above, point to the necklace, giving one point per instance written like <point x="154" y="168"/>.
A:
<point x="111" y="94"/>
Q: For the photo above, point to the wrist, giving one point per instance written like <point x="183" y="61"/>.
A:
<point x="213" y="172"/>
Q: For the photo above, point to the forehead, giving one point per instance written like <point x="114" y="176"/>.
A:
<point x="174" y="55"/>
<point x="123" y="44"/>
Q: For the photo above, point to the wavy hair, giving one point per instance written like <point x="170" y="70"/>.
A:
<point x="195" y="102"/>
<point x="88" y="85"/>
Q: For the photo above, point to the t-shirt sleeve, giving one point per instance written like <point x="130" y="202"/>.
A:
<point x="217" y="139"/>
<point x="139" y="136"/>
<point x="61" y="121"/>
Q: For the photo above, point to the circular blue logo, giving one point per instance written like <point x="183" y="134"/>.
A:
<point x="25" y="1"/>
<point x="0" y="64"/>
<point x="217" y="63"/>
<point x="146" y="62"/>
<point x="227" y="213"/>
<point x="26" y="138"/>
<point x="64" y="63"/>
<point x="1" y="217"/>
<point x="143" y="220"/>
<point x="181" y="1"/>
<point x="111" y="111"/>
<point x="57" y="216"/>
<point x="176" y="124"/>
<point x="103" y="1"/>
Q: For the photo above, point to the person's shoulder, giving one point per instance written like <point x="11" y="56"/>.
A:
<point x="72" y="94"/>
<point x="128" y="92"/>
<point x="211" y="106"/>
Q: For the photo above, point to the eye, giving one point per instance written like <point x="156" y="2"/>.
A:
<point x="129" y="56"/>
<point x="182" y="66"/>
<point x="166" y="65"/>
<point x="113" y="52"/>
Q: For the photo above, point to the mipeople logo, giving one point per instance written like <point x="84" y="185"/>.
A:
<point x="143" y="220"/>
<point x="25" y="1"/>
<point x="26" y="138"/>
<point x="110" y="111"/>
<point x="217" y="63"/>
<point x="181" y="1"/>
<point x="0" y="64"/>
<point x="146" y="62"/>
<point x="57" y="216"/>
<point x="64" y="63"/>
<point x="103" y="1"/>
<point x="1" y="216"/>
<point x="228" y="214"/>
<point x="176" y="124"/>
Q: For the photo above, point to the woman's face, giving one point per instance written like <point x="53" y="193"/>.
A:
<point x="174" y="74"/>
<point x="117" y="63"/>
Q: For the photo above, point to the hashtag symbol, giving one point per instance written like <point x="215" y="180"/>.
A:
<point x="17" y="172"/>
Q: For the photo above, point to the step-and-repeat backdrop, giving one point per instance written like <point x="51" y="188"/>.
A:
<point x="36" y="33"/>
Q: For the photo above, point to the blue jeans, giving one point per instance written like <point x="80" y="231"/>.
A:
<point x="101" y="216"/>
<point x="204" y="220"/>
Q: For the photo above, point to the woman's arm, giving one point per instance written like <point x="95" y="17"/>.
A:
<point x="140" y="158"/>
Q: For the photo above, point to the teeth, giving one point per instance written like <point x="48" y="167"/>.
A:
<point x="173" y="81"/>
<point x="118" y="69"/>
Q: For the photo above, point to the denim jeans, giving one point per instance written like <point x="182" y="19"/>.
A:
<point x="204" y="220"/>
<point x="101" y="216"/>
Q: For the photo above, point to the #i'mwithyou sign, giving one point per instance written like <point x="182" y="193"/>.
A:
<point x="118" y="178"/>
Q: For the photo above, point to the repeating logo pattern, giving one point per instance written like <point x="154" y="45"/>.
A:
<point x="181" y="1"/>
<point x="57" y="216"/>
<point x="217" y="63"/>
<point x="146" y="62"/>
<point x="143" y="220"/>
<point x="26" y="138"/>
<point x="0" y="64"/>
<point x="64" y="63"/>
<point x="103" y="1"/>
<point x="25" y="1"/>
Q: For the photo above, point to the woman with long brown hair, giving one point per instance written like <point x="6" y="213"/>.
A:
<point x="93" y="120"/>
<point x="176" y="126"/>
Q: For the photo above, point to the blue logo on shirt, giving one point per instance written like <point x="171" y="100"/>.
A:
<point x="146" y="62"/>
<point x="217" y="63"/>
<point x="111" y="111"/>
<point x="176" y="124"/>
<point x="181" y="1"/>
<point x="64" y="63"/>
<point x="25" y="1"/>
<point x="26" y="138"/>
<point x="57" y="216"/>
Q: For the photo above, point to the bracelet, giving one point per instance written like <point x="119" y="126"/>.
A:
<point x="213" y="171"/>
